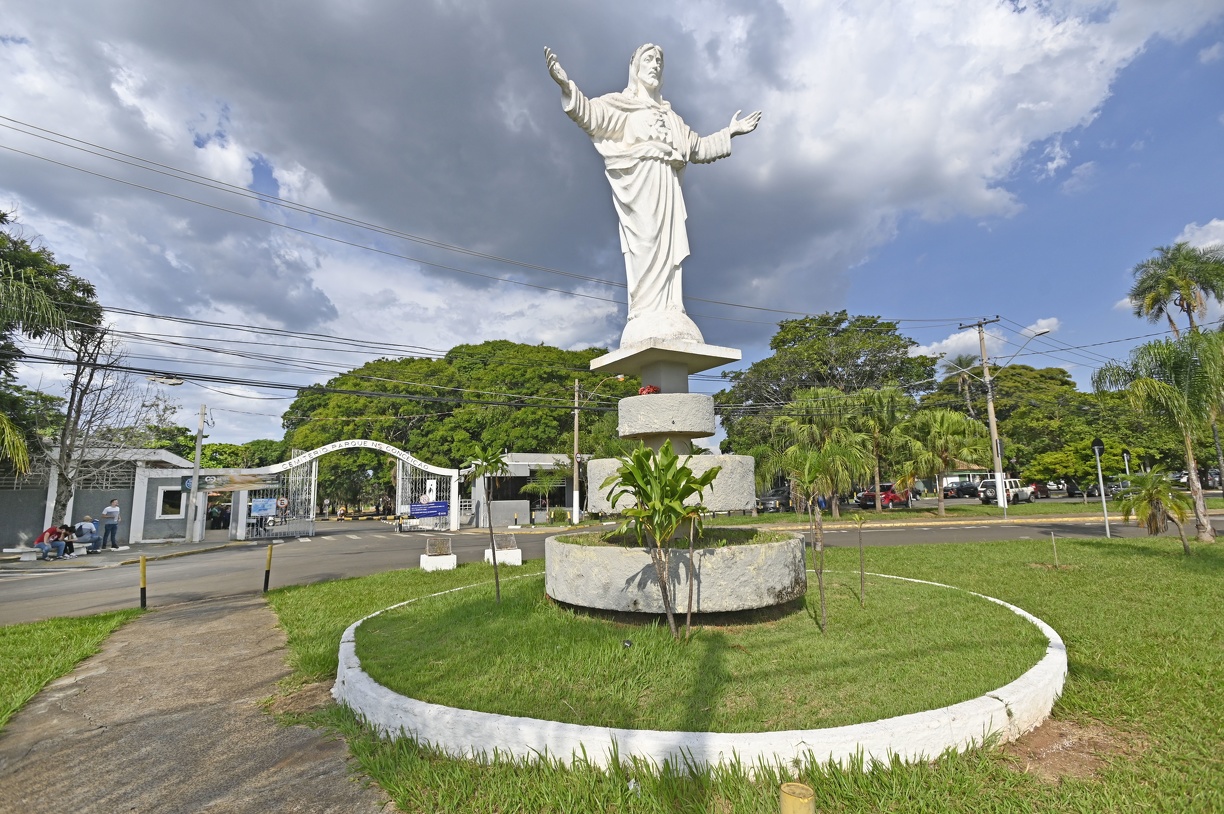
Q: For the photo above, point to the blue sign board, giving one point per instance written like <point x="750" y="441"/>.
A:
<point x="436" y="508"/>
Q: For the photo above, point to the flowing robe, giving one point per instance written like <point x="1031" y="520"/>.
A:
<point x="646" y="146"/>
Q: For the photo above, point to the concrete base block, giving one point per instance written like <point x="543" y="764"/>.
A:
<point x="732" y="578"/>
<point x="690" y="415"/>
<point x="508" y="556"/>
<point x="733" y="490"/>
<point x="439" y="562"/>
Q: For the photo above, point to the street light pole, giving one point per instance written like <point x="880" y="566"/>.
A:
<point x="996" y="452"/>
<point x="1098" y="447"/>
<point x="1000" y="492"/>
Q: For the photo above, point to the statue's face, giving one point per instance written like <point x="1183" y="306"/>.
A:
<point x="650" y="69"/>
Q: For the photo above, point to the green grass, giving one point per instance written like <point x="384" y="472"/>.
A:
<point x="1144" y="632"/>
<point x="33" y="655"/>
<point x="928" y="508"/>
<point x="530" y="657"/>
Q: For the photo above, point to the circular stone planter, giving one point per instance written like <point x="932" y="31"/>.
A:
<point x="731" y="578"/>
<point x="1007" y="713"/>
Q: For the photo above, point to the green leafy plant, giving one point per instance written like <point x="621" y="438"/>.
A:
<point x="1154" y="501"/>
<point x="660" y="484"/>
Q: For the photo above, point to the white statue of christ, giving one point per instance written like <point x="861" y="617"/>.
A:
<point x="646" y="146"/>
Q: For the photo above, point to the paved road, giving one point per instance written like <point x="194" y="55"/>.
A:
<point x="359" y="549"/>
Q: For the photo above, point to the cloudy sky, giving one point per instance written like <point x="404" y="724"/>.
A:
<point x="934" y="162"/>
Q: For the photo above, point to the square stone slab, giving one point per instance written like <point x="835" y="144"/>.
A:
<point x="696" y="356"/>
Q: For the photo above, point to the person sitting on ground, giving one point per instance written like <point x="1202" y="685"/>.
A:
<point x="49" y="539"/>
<point x="86" y="533"/>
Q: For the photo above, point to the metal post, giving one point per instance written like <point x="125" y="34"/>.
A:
<point x="268" y="569"/>
<point x="142" y="580"/>
<point x="576" y="513"/>
<point x="1096" y="451"/>
<point x="195" y="478"/>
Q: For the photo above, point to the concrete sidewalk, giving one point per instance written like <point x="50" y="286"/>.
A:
<point x="167" y="718"/>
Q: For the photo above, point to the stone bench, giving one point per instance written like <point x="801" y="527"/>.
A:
<point x="27" y="554"/>
<point x="508" y="552"/>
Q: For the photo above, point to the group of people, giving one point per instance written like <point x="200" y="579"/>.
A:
<point x="63" y="538"/>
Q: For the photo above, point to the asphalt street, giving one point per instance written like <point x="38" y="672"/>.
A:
<point x="84" y="587"/>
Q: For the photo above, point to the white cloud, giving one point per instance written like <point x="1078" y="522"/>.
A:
<point x="999" y="343"/>
<point x="1082" y="177"/>
<point x="1208" y="234"/>
<point x="1212" y="53"/>
<point x="437" y="119"/>
<point x="1125" y="304"/>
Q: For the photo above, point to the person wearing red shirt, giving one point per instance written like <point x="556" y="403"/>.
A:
<point x="52" y="537"/>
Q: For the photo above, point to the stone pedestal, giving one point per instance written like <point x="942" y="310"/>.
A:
<point x="675" y="415"/>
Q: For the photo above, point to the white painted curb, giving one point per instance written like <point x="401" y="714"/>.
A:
<point x="1007" y="713"/>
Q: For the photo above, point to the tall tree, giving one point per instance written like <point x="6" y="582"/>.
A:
<point x="1176" y="381"/>
<point x="946" y="439"/>
<point x="848" y="353"/>
<point x="1181" y="278"/>
<point x="816" y="418"/>
<point x="960" y="368"/>
<point x="881" y="416"/>
<point x="39" y="298"/>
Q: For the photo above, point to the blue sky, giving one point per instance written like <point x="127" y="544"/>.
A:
<point x="937" y="162"/>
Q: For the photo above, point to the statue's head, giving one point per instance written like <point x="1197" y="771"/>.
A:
<point x="646" y="70"/>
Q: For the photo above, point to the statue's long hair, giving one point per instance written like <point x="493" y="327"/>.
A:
<point x="632" y="88"/>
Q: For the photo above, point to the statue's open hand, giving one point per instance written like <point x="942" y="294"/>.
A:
<point x="555" y="70"/>
<point x="745" y="125"/>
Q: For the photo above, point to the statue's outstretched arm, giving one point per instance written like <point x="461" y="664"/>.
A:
<point x="557" y="73"/>
<point x="739" y="127"/>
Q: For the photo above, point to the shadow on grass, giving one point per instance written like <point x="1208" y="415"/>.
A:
<point x="1204" y="557"/>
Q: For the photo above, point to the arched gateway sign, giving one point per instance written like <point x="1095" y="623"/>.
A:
<point x="427" y="494"/>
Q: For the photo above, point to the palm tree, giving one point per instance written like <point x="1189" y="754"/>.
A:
<point x="959" y="366"/>
<point x="815" y="418"/>
<point x="545" y="482"/>
<point x="24" y="308"/>
<point x="489" y="462"/>
<point x="880" y="418"/>
<point x="946" y="438"/>
<point x="817" y="471"/>
<point x="1179" y="278"/>
<point x="1176" y="380"/>
<point x="1154" y="501"/>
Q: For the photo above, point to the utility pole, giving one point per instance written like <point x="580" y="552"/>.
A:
<point x="1000" y="492"/>
<point x="195" y="478"/>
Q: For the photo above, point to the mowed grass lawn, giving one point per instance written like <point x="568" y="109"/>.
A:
<point x="1145" y="639"/>
<point x="35" y="654"/>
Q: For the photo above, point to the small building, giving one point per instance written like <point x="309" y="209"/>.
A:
<point x="508" y="500"/>
<point x="146" y="482"/>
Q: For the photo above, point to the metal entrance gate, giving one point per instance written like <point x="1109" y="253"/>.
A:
<point x="426" y="495"/>
<point x="286" y="510"/>
<point x="423" y="497"/>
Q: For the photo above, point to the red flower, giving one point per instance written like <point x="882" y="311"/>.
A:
<point x="648" y="390"/>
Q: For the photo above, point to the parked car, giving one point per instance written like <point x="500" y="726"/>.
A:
<point x="1074" y="490"/>
<point x="951" y="489"/>
<point x="1040" y="489"/>
<point x="888" y="497"/>
<point x="967" y="488"/>
<point x="1013" y="490"/>
<point x="775" y="500"/>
